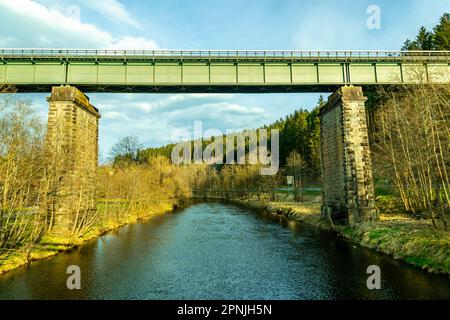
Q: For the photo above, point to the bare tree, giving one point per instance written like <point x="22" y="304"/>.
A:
<point x="21" y="149"/>
<point x="296" y="167"/>
<point x="412" y="146"/>
<point x="126" y="150"/>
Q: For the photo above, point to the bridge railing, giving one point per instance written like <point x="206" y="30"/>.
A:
<point x="227" y="54"/>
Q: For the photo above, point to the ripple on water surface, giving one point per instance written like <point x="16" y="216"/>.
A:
<point x="220" y="251"/>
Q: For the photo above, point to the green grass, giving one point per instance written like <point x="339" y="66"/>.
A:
<point x="422" y="262"/>
<point x="305" y="192"/>
<point x="51" y="244"/>
<point x="380" y="233"/>
<point x="349" y="231"/>
<point x="384" y="191"/>
<point x="413" y="241"/>
<point x="312" y="192"/>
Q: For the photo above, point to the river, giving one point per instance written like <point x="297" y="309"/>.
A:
<point x="220" y="251"/>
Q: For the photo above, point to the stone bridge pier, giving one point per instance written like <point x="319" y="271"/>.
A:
<point x="348" y="193"/>
<point x="71" y="149"/>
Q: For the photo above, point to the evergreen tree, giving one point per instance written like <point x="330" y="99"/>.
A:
<point x="442" y="33"/>
<point x="438" y="39"/>
<point x="424" y="39"/>
<point x="299" y="133"/>
<point x="409" y="45"/>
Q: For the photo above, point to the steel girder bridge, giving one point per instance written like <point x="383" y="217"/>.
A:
<point x="73" y="122"/>
<point x="177" y="71"/>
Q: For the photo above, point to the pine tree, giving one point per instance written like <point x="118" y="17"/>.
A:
<point x="439" y="39"/>
<point x="424" y="39"/>
<point x="442" y="33"/>
<point x="409" y="45"/>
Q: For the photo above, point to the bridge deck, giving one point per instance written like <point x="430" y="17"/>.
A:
<point x="217" y="70"/>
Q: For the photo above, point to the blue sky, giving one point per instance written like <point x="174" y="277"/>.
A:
<point x="204" y="24"/>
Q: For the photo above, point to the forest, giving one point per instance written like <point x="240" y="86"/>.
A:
<point x="436" y="39"/>
<point x="410" y="141"/>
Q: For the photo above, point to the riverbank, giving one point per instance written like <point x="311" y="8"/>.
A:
<point x="51" y="245"/>
<point x="413" y="241"/>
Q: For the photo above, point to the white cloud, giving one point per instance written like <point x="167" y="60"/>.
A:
<point x="154" y="117"/>
<point x="172" y="102"/>
<point x="25" y="16"/>
<point x="115" y="115"/>
<point x="113" y="10"/>
<point x="25" y="23"/>
<point x="124" y="114"/>
<point x="136" y="43"/>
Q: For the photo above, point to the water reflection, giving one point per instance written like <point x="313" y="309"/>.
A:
<point x="219" y="251"/>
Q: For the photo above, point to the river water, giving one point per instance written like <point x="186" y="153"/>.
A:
<point x="220" y="251"/>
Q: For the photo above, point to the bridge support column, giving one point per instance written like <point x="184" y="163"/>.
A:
<point x="72" y="159"/>
<point x="346" y="160"/>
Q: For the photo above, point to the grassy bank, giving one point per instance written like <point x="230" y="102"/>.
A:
<point x="51" y="245"/>
<point x="413" y="241"/>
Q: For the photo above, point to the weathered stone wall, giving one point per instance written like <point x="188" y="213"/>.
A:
<point x="346" y="160"/>
<point x="72" y="154"/>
